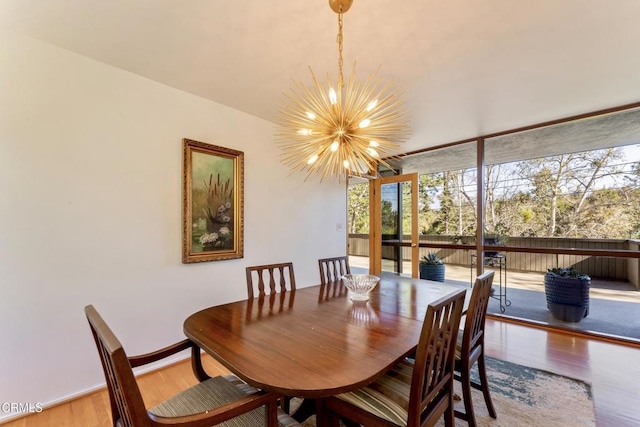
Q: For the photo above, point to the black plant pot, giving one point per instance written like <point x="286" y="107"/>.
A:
<point x="433" y="272"/>
<point x="567" y="297"/>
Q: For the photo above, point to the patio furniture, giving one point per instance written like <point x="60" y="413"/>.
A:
<point x="494" y="260"/>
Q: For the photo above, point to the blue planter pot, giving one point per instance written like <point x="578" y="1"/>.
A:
<point x="567" y="297"/>
<point x="433" y="272"/>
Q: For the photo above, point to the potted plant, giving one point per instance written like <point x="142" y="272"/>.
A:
<point x="432" y="267"/>
<point x="567" y="293"/>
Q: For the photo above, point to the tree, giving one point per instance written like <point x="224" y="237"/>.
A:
<point x="358" y="208"/>
<point x="594" y="194"/>
<point x="562" y="185"/>
<point x="632" y="192"/>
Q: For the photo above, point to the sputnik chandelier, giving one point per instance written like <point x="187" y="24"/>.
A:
<point x="345" y="131"/>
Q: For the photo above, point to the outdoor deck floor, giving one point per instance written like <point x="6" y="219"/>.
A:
<point x="614" y="307"/>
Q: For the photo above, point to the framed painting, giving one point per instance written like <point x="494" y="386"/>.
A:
<point x="212" y="202"/>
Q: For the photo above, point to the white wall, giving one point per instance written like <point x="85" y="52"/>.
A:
<point x="90" y="213"/>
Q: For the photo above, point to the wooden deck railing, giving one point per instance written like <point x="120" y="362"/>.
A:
<point x="531" y="254"/>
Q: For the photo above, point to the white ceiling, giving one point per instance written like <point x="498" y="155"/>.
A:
<point x="468" y="67"/>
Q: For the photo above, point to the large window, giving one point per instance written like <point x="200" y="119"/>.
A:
<point x="578" y="179"/>
<point x="589" y="195"/>
<point x="565" y="194"/>
<point x="447" y="191"/>
<point x="556" y="192"/>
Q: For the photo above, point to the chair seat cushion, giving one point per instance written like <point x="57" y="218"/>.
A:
<point x="388" y="396"/>
<point x="213" y="393"/>
<point x="284" y="419"/>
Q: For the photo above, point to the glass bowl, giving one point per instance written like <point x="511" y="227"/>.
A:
<point x="360" y="285"/>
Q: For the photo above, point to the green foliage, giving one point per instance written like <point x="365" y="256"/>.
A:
<point x="389" y="219"/>
<point x="431" y="258"/>
<point x="567" y="272"/>
<point x="445" y="208"/>
<point x="577" y="195"/>
<point x="358" y="208"/>
<point x="526" y="214"/>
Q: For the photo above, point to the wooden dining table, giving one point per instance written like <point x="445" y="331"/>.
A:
<point x="315" y="342"/>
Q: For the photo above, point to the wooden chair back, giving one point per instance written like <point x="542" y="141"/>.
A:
<point x="473" y="334"/>
<point x="431" y="393"/>
<point x="279" y="278"/>
<point x="332" y="269"/>
<point x="472" y="350"/>
<point x="127" y="405"/>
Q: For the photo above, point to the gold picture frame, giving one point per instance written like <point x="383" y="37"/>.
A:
<point x="212" y="202"/>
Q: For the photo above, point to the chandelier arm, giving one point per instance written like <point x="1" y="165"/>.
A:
<point x="300" y="99"/>
<point x="390" y="114"/>
<point x="305" y="99"/>
<point x="321" y="103"/>
<point x="315" y="100"/>
<point x="311" y="102"/>
<point x="322" y="95"/>
<point x="389" y="101"/>
<point x="354" y="94"/>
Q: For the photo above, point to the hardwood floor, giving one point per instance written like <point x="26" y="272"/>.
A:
<point x="94" y="410"/>
<point x="612" y="369"/>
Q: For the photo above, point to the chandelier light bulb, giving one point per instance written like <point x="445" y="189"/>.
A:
<point x="333" y="97"/>
<point x="372" y="105"/>
<point x="313" y="159"/>
<point x="334" y="145"/>
<point x="374" y="143"/>
<point x="310" y="115"/>
<point x="363" y="124"/>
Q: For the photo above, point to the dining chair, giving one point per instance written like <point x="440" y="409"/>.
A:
<point x="415" y="392"/>
<point x="470" y="349"/>
<point x="210" y="402"/>
<point x="279" y="276"/>
<point x="332" y="269"/>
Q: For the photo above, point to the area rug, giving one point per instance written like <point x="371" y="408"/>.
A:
<point x="524" y="396"/>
